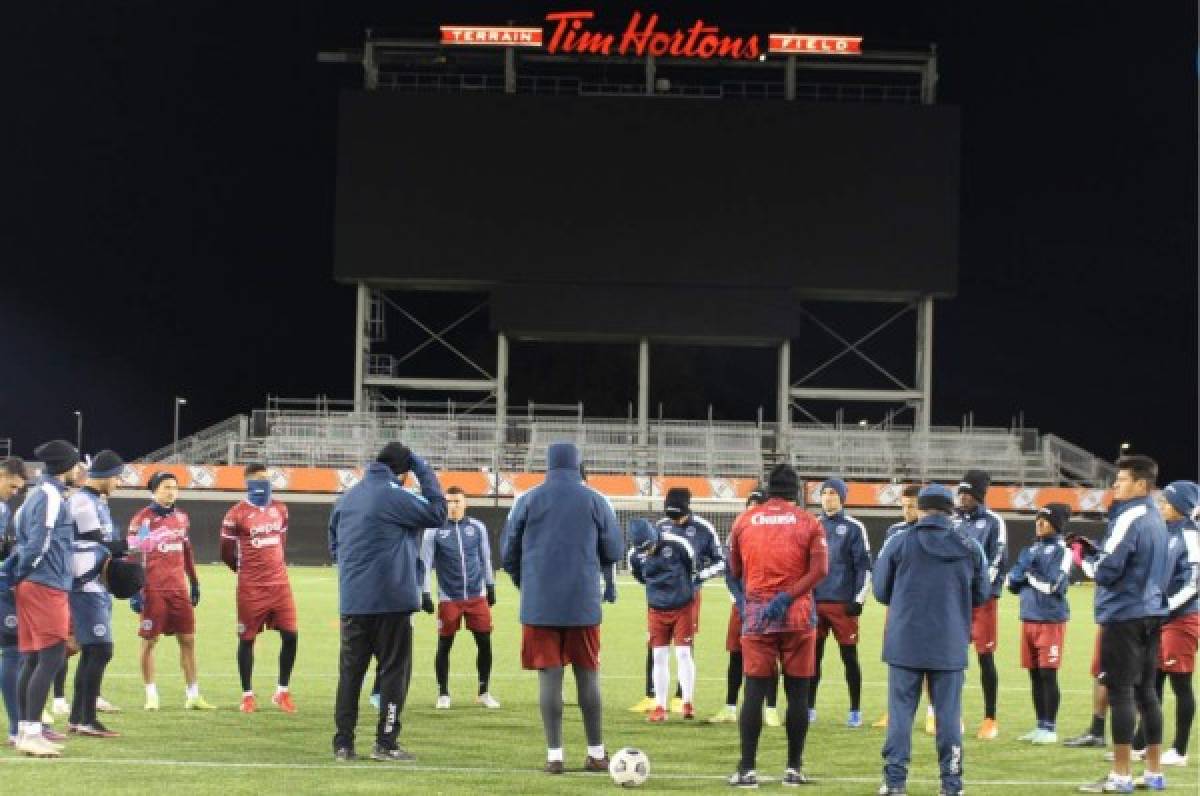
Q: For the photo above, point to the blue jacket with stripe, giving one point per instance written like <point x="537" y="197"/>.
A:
<point x="667" y="572"/>
<point x="461" y="554"/>
<point x="45" y="532"/>
<point x="1130" y="568"/>
<point x="1183" y="562"/>
<point x="1041" y="577"/>
<point x="709" y="558"/>
<point x="988" y="528"/>
<point x="849" y="577"/>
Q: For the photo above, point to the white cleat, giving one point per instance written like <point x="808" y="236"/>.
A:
<point x="487" y="700"/>
<point x="37" y="746"/>
<point x="443" y="703"/>
<point x="104" y="706"/>
<point x="1173" y="758"/>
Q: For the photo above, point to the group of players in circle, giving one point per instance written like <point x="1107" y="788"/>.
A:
<point x="794" y="579"/>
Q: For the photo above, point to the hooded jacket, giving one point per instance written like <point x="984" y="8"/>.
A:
<point x="557" y="538"/>
<point x="667" y="573"/>
<point x="1130" y="568"/>
<point x="1183" y="562"/>
<point x="930" y="577"/>
<point x="1040" y="578"/>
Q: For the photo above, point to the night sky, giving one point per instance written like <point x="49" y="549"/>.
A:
<point x="169" y="179"/>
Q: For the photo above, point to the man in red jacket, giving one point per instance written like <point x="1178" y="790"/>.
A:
<point x="779" y="552"/>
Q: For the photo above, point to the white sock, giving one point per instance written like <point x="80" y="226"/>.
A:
<point x="34" y="729"/>
<point x="281" y="689"/>
<point x="60" y="702"/>
<point x="554" y="755"/>
<point x="22" y="729"/>
<point x="733" y="708"/>
<point x="247" y="694"/>
<point x="687" y="672"/>
<point x="151" y="690"/>
<point x="193" y="691"/>
<point x="596" y="752"/>
<point x="662" y="675"/>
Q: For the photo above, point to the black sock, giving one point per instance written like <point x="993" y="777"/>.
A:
<point x="46" y="665"/>
<point x="1097" y="728"/>
<point x="649" y="672"/>
<point x="796" y="689"/>
<point x="287" y="655"/>
<point x="1035" y="683"/>
<point x="29" y="661"/>
<point x="773" y="693"/>
<point x="733" y="678"/>
<point x="853" y="674"/>
<point x="815" y="680"/>
<point x="990" y="682"/>
<point x="483" y="659"/>
<point x="93" y="660"/>
<point x="1185" y="709"/>
<point x="750" y="720"/>
<point x="245" y="661"/>
<point x="60" y="682"/>
<point x="441" y="664"/>
<point x="1051" y="696"/>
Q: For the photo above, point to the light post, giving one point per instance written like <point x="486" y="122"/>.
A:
<point x="79" y="431"/>
<point x="179" y="402"/>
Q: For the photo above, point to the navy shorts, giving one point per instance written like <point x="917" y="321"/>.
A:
<point x="91" y="617"/>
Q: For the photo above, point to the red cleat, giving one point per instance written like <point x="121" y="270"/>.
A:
<point x="689" y="712"/>
<point x="249" y="704"/>
<point x="284" y="702"/>
<point x="658" y="715"/>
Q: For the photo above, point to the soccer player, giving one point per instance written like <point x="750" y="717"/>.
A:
<point x="908" y="518"/>
<point x="558" y="540"/>
<point x="90" y="602"/>
<point x="929" y="576"/>
<point x="664" y="562"/>
<point x="43" y="578"/>
<point x="253" y="541"/>
<point x="461" y="555"/>
<point x="841" y="594"/>
<point x="159" y="532"/>
<point x="778" y="550"/>
<point x="1040" y="578"/>
<point x="986" y="527"/>
<point x="13" y="477"/>
<point x="1130" y="570"/>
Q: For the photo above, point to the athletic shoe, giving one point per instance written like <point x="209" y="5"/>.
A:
<point x="1085" y="740"/>
<point x="689" y="711"/>
<point x="283" y="701"/>
<point x="989" y="730"/>
<point x="676" y="705"/>
<point x="61" y="707"/>
<point x="596" y="765"/>
<point x="1029" y="736"/>
<point x="881" y="722"/>
<point x="892" y="790"/>
<point x="812" y="715"/>
<point x="1150" y="781"/>
<point x="771" y="717"/>
<point x="197" y="703"/>
<point x="374" y="700"/>
<point x="397" y="755"/>
<point x="344" y="754"/>
<point x="854" y="719"/>
<point x="657" y="716"/>
<point x="794" y="778"/>
<point x="72" y="728"/>
<point x="104" y="706"/>
<point x="35" y="746"/>
<point x="1045" y="738"/>
<point x="249" y="704"/>
<point x="487" y="700"/>
<point x="554" y="767"/>
<point x="443" y="702"/>
<point x="1110" y="784"/>
<point x="728" y="715"/>
<point x="930" y="723"/>
<point x="646" y="705"/>
<point x="944" y="792"/>
<point x="744" y="779"/>
<point x="1134" y="754"/>
<point x="97" y="730"/>
<point x="47" y="717"/>
<point x="151" y="702"/>
<point x="1173" y="758"/>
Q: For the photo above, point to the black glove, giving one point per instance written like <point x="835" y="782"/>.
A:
<point x="427" y="603"/>
<point x="136" y="603"/>
<point x="117" y="547"/>
<point x="491" y="593"/>
<point x="195" y="593"/>
<point x="854" y="608"/>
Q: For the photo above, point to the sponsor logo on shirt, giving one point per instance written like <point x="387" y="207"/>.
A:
<point x="269" y="541"/>
<point x="170" y="547"/>
<point x="773" y="519"/>
<point x="10" y="620"/>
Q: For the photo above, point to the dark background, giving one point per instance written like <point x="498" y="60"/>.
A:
<point x="169" y="206"/>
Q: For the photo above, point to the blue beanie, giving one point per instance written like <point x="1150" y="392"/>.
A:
<point x="1183" y="495"/>
<point x="935" y="496"/>
<point x="106" y="464"/>
<point x="837" y="485"/>
<point x="642" y="533"/>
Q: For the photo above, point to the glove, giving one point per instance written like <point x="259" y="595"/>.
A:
<point x="739" y="602"/>
<point x="143" y="530"/>
<point x="136" y="603"/>
<point x="117" y="547"/>
<point x="854" y="608"/>
<point x="427" y="602"/>
<point x="697" y="582"/>
<point x="195" y="593"/>
<point x="491" y="593"/>
<point x="1014" y="586"/>
<point x="777" y="609"/>
<point x="1086" y="545"/>
<point x="610" y="591"/>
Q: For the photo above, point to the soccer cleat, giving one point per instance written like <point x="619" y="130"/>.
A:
<point x="488" y="701"/>
<point x="47" y="717"/>
<point x="945" y="792"/>
<point x="1134" y="754"/>
<point x="794" y="778"/>
<point x="72" y="729"/>
<point x="727" y="715"/>
<point x="96" y="730"/>
<point x="443" y="702"/>
<point x="249" y="704"/>
<point x="1110" y="784"/>
<point x="744" y="779"/>
<point x="989" y="730"/>
<point x="891" y="790"/>
<point x="1149" y="781"/>
<point x="881" y="722"/>
<point x="53" y="737"/>
<point x="931" y="724"/>
<point x="812" y="715"/>
<point x="657" y="716"/>
<point x="676" y="705"/>
<point x="1085" y="741"/>
<point x="283" y="701"/>
<point x="1045" y="738"/>
<point x="35" y="746"/>
<point x="1173" y="758"/>
<point x="689" y="711"/>
<point x="198" y="703"/>
<point x="60" y="707"/>
<point x="854" y="719"/>
<point x="1029" y="736"/>
<point x="771" y="717"/>
<point x="104" y="706"/>
<point x="151" y="702"/>
<point x="554" y="767"/>
<point x="596" y="765"/>
<point x="344" y="754"/>
<point x="397" y="755"/>
<point x="646" y="705"/>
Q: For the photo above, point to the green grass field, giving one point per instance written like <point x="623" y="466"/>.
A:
<point x="468" y="749"/>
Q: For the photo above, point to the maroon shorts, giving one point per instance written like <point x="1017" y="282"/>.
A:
<point x="166" y="613"/>
<point x="983" y="627"/>
<point x="667" y="627"/>
<point x="43" y="617"/>
<point x="733" y="632"/>
<point x="797" y="652"/>
<point x="1096" y="667"/>
<point x="476" y="611"/>
<point x="261" y="610"/>
<point x="833" y="616"/>
<point x="547" y="647"/>
<point x="1042" y="644"/>
<point x="1177" y="650"/>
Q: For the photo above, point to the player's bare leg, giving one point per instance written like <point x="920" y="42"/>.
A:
<point x="147" y="662"/>
<point x="187" y="662"/>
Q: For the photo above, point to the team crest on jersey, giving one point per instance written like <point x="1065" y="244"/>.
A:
<point x="470" y="531"/>
<point x="147" y="624"/>
<point x="668" y="552"/>
<point x="981" y="524"/>
<point x="99" y="630"/>
<point x="444" y="533"/>
<point x="841" y="530"/>
<point x="10" y="620"/>
<point x="690" y="531"/>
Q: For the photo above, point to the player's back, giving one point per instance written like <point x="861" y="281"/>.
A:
<point x="773" y="542"/>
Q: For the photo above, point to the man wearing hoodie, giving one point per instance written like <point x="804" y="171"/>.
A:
<point x="931" y="577"/>
<point x="375" y="536"/>
<point x="559" y="539"/>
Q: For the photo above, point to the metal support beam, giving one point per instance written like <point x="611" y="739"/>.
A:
<point x="789" y="78"/>
<point x="853" y="394"/>
<point x="501" y="386"/>
<point x="783" y="410"/>
<point x="448" y="385"/>
<point x="929" y="78"/>
<point x="650" y="74"/>
<point x="924" y="371"/>
<point x="643" y="415"/>
<point x="510" y="70"/>
<point x="361" y="346"/>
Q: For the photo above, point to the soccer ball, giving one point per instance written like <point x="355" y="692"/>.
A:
<point x="629" y="767"/>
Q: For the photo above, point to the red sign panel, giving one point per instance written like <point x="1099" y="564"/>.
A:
<point x="813" y="44"/>
<point x="490" y="36"/>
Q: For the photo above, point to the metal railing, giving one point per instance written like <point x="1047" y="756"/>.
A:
<point x="1075" y="463"/>
<point x="207" y="445"/>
